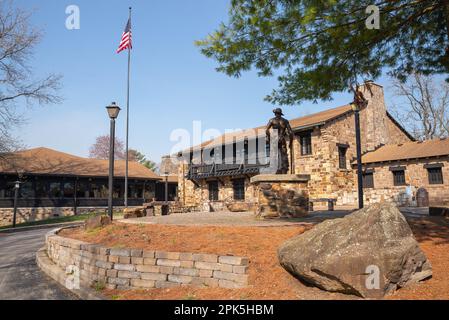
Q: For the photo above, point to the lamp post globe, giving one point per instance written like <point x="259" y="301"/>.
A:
<point x="113" y="110"/>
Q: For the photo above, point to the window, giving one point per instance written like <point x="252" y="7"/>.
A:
<point x="41" y="189"/>
<point x="223" y="154"/>
<point x="212" y="154"/>
<point x="435" y="175"/>
<point x="240" y="152"/>
<point x="150" y="190"/>
<point x="342" y="157"/>
<point x="55" y="190"/>
<point x="134" y="190"/>
<point x="3" y="187"/>
<point x="368" y="180"/>
<point x="399" y="177"/>
<point x="305" y="140"/>
<point x="99" y="190"/>
<point x="82" y="190"/>
<point x="228" y="154"/>
<point x="252" y="151"/>
<point x="69" y="190"/>
<point x="216" y="154"/>
<point x="27" y="190"/>
<point x="213" y="190"/>
<point x="246" y="151"/>
<point x="267" y="150"/>
<point x="8" y="190"/>
<point x="239" y="189"/>
<point x="234" y="153"/>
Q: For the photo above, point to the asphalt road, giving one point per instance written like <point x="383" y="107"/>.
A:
<point x="20" y="278"/>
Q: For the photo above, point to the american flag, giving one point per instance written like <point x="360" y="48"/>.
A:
<point x="126" y="41"/>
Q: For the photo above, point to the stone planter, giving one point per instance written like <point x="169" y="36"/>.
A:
<point x="124" y="269"/>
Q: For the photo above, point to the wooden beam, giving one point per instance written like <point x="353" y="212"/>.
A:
<point x="195" y="183"/>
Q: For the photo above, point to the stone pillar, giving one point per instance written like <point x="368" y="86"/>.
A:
<point x="281" y="196"/>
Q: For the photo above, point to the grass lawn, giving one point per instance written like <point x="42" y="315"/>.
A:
<point x="76" y="218"/>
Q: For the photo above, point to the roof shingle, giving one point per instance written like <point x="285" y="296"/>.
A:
<point x="297" y="123"/>
<point x="409" y="150"/>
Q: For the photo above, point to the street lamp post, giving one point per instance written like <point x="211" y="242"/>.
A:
<point x="166" y="187"/>
<point x="113" y="111"/>
<point x="356" y="110"/>
<point x="16" y="198"/>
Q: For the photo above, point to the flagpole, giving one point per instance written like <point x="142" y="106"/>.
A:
<point x="127" y="122"/>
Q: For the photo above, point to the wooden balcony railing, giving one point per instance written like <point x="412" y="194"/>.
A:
<point x="203" y="171"/>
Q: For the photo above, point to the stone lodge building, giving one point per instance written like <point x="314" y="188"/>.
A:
<point x="412" y="173"/>
<point x="59" y="184"/>
<point x="396" y="168"/>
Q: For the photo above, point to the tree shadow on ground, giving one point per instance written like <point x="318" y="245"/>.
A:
<point x="433" y="229"/>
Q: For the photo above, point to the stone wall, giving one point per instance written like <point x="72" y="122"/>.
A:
<point x="396" y="134"/>
<point x="416" y="176"/>
<point x="125" y="269"/>
<point x="38" y="214"/>
<point x="188" y="193"/>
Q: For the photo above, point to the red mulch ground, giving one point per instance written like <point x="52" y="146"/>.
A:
<point x="268" y="280"/>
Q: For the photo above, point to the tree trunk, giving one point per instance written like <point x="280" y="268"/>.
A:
<point x="447" y="26"/>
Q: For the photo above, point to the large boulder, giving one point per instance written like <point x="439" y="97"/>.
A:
<point x="368" y="253"/>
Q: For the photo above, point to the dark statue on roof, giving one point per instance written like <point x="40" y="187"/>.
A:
<point x="283" y="133"/>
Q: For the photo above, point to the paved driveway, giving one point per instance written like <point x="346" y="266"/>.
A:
<point x="20" y="278"/>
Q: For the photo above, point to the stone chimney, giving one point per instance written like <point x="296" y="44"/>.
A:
<point x="169" y="164"/>
<point x="374" y="122"/>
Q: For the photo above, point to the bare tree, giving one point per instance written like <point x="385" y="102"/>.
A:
<point x="18" y="88"/>
<point x="100" y="149"/>
<point x="424" y="106"/>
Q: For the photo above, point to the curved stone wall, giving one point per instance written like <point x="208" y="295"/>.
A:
<point x="124" y="269"/>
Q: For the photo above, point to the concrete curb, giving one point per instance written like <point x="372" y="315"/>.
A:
<point x="42" y="226"/>
<point x="52" y="270"/>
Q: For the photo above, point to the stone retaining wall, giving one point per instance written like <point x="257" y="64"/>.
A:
<point x="44" y="213"/>
<point x="124" y="269"/>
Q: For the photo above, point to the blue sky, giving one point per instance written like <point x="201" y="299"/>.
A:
<point x="172" y="83"/>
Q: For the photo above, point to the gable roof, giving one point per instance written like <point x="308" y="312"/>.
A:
<point x="52" y="162"/>
<point x="408" y="150"/>
<point x="319" y="118"/>
<point x="397" y="124"/>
